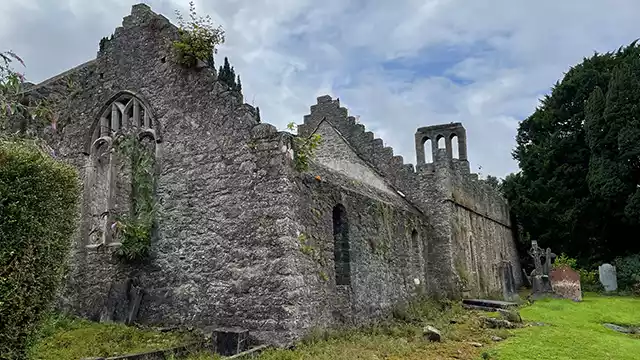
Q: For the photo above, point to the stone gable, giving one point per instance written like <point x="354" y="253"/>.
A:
<point x="241" y="238"/>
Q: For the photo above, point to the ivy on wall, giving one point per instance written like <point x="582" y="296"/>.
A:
<point x="134" y="230"/>
<point x="314" y="254"/>
<point x="304" y="149"/>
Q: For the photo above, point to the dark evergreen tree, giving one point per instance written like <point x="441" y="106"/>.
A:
<point x="227" y="71"/>
<point x="238" y="85"/>
<point x="579" y="155"/>
<point x="232" y="79"/>
<point x="227" y="75"/>
<point x="258" y="115"/>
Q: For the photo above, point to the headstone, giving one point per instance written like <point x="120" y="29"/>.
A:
<point x="608" y="277"/>
<point x="135" y="298"/>
<point x="540" y="282"/>
<point x="536" y="253"/>
<point x="509" y="291"/>
<point x="566" y="283"/>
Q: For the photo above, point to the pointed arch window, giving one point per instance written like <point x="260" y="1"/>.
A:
<point x="108" y="180"/>
<point x="341" y="251"/>
<point x="417" y="254"/>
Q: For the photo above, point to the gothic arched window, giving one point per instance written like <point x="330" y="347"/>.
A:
<point x="108" y="178"/>
<point x="416" y="253"/>
<point x="341" y="246"/>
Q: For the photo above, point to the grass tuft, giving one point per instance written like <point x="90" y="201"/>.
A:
<point x="65" y="338"/>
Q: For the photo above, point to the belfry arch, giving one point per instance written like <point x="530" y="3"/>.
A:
<point x="448" y="132"/>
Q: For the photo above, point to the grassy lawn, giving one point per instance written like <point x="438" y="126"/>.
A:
<point x="571" y="331"/>
<point x="398" y="339"/>
<point x="575" y="330"/>
<point x="65" y="338"/>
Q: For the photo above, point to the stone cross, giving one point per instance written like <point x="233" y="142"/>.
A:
<point x="540" y="282"/>
<point x="608" y="277"/>
<point x="546" y="270"/>
<point x="536" y="253"/>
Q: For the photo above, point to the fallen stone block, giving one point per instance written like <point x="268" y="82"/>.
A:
<point x="431" y="333"/>
<point x="498" y="323"/>
<point x="510" y="315"/>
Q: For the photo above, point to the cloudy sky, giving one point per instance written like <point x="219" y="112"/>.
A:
<point x="397" y="64"/>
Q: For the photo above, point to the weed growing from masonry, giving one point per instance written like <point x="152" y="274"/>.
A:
<point x="13" y="103"/>
<point x="198" y="39"/>
<point x="304" y="148"/>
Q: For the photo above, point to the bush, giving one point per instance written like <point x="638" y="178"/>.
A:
<point x="198" y="38"/>
<point x="38" y="203"/>
<point x="563" y="259"/>
<point x="628" y="272"/>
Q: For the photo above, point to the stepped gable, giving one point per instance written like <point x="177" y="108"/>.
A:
<point x="369" y="148"/>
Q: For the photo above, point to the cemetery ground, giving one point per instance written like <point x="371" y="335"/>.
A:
<point x="553" y="329"/>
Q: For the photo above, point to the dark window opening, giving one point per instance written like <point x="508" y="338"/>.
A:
<point x="415" y="245"/>
<point x="341" y="246"/>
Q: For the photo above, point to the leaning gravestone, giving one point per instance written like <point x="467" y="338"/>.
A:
<point x="509" y="290"/>
<point x="608" y="277"/>
<point x="566" y="283"/>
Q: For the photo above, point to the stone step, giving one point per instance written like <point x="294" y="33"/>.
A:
<point x="496" y="304"/>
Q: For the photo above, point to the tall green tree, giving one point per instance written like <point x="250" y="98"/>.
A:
<point x="578" y="155"/>
<point x="227" y="75"/>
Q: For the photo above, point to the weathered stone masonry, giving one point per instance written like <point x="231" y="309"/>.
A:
<point x="241" y="238"/>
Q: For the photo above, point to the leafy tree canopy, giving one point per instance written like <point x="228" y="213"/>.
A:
<point x="579" y="156"/>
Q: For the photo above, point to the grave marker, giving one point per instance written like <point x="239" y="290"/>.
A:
<point x="608" y="277"/>
<point x="566" y="283"/>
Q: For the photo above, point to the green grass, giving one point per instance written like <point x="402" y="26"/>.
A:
<point x="575" y="330"/>
<point x="572" y="331"/>
<point x="399" y="338"/>
<point x="66" y="338"/>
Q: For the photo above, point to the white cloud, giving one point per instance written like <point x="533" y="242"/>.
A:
<point x="290" y="51"/>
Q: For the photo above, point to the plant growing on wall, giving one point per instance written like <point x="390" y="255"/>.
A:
<point x="304" y="148"/>
<point x="13" y="103"/>
<point x="198" y="38"/>
<point x="134" y="230"/>
<point x="314" y="254"/>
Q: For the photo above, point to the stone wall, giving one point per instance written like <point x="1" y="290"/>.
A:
<point x="457" y="205"/>
<point x="388" y="250"/>
<point x="241" y="239"/>
<point x="481" y="234"/>
<point x="222" y="253"/>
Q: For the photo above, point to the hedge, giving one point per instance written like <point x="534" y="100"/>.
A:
<point x="38" y="209"/>
<point x="628" y="272"/>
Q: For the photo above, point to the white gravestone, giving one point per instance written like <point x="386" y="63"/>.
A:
<point x="608" y="277"/>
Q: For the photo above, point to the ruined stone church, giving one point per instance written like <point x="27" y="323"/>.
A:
<point x="242" y="238"/>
